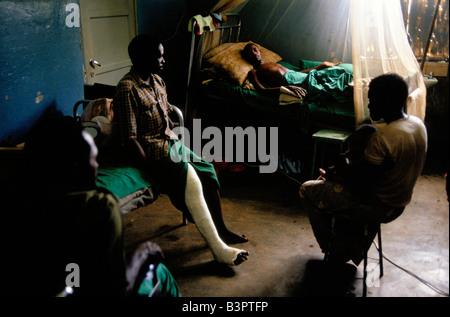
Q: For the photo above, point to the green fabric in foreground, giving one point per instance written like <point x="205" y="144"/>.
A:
<point x="167" y="286"/>
<point x="122" y="180"/>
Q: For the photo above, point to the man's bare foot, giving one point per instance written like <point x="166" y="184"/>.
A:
<point x="230" y="237"/>
<point x="242" y="257"/>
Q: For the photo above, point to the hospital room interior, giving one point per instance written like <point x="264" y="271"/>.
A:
<point x="67" y="57"/>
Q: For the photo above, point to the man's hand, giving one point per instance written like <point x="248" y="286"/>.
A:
<point x="329" y="173"/>
<point x="301" y="92"/>
<point x="323" y="174"/>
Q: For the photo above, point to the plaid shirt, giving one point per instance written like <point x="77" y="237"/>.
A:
<point x="141" y="112"/>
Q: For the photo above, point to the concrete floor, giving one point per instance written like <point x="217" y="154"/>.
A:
<point x="285" y="260"/>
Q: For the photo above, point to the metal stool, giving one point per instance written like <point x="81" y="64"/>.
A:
<point x="366" y="232"/>
<point x="380" y="260"/>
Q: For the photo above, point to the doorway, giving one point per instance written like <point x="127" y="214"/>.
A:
<point x="108" y="26"/>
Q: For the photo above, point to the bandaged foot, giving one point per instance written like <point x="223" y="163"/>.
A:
<point x="199" y="211"/>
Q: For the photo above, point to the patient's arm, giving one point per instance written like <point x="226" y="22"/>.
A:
<point x="253" y="78"/>
<point x="272" y="75"/>
<point x="321" y="66"/>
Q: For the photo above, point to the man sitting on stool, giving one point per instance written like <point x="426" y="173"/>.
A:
<point x="392" y="161"/>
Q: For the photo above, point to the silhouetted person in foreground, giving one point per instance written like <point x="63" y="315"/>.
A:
<point x="61" y="226"/>
<point x="393" y="159"/>
<point x="60" y="230"/>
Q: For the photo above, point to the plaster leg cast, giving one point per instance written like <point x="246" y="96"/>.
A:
<point x="196" y="205"/>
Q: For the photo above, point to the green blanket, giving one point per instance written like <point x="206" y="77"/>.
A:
<point x="122" y="180"/>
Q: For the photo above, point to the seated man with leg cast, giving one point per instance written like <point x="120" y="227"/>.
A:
<point x="142" y="118"/>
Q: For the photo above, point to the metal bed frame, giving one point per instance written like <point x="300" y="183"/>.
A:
<point x="227" y="32"/>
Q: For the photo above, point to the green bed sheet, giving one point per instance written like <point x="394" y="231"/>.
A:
<point x="122" y="180"/>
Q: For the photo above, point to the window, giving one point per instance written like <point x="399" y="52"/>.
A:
<point x="419" y="16"/>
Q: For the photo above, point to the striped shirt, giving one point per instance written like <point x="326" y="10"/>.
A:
<point x="141" y="112"/>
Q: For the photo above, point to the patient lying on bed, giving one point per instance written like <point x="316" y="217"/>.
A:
<point x="268" y="78"/>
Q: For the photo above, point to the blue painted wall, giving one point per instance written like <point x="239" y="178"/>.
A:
<point x="40" y="63"/>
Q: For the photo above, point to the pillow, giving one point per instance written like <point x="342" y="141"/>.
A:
<point x="217" y="50"/>
<point x="96" y="120"/>
<point x="98" y="107"/>
<point x="306" y="64"/>
<point x="227" y="59"/>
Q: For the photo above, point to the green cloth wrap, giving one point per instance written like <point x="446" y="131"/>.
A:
<point x="167" y="286"/>
<point x="122" y="180"/>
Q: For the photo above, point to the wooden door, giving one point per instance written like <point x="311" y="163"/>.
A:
<point x="107" y="28"/>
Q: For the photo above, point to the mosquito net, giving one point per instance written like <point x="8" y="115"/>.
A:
<point x="380" y="45"/>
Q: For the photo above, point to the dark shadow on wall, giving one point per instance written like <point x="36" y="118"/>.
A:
<point x="437" y="122"/>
